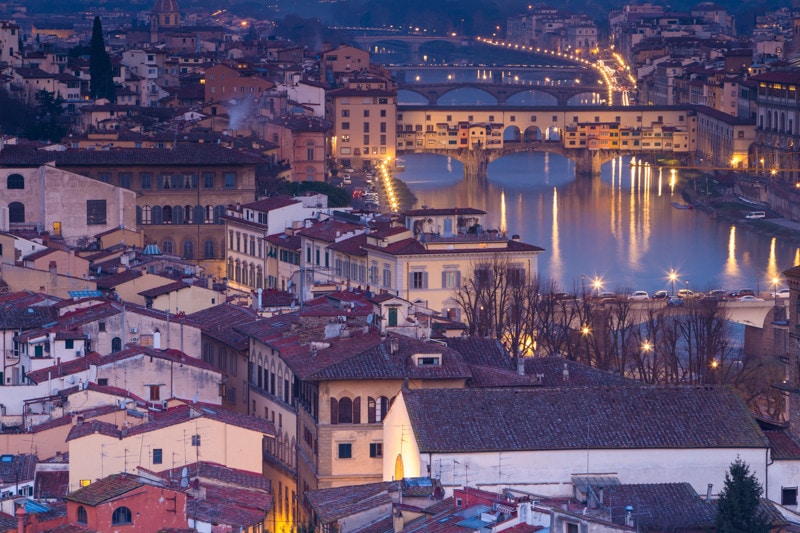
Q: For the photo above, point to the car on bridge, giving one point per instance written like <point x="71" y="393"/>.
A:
<point x="781" y="293"/>
<point x="749" y="298"/>
<point x="742" y="292"/>
<point x="639" y="295"/>
<point x="660" y="295"/>
<point x="686" y="294"/>
<point x="675" y="301"/>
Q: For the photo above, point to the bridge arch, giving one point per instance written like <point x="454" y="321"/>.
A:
<point x="532" y="134"/>
<point x="553" y="133"/>
<point x="511" y="134"/>
<point x="532" y="96"/>
<point x="455" y="95"/>
<point x="586" y="98"/>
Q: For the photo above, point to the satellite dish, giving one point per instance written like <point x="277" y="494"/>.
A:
<point x="184" y="472"/>
<point x="370" y="318"/>
<point x="184" y="482"/>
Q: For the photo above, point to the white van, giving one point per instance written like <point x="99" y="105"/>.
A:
<point x="755" y="215"/>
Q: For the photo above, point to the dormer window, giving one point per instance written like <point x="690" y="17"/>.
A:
<point x="429" y="359"/>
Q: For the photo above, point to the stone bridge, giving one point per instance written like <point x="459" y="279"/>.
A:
<point x="432" y="92"/>
<point x="411" y="42"/>
<point x="476" y="159"/>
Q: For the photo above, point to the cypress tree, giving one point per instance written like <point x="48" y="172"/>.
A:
<point x="737" y="508"/>
<point x="101" y="73"/>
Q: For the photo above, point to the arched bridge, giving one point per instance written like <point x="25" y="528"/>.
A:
<point x="754" y="314"/>
<point x="476" y="159"/>
<point x="432" y="92"/>
<point x="412" y="42"/>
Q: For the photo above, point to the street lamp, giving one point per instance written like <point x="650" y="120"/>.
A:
<point x="598" y="284"/>
<point x="775" y="282"/>
<point x="673" y="277"/>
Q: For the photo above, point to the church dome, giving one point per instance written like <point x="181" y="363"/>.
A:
<point x="165" y="6"/>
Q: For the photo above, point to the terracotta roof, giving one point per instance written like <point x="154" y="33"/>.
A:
<point x="785" y="76"/>
<point x="268" y="204"/>
<point x="351" y="246"/>
<point x="191" y="154"/>
<point x="783" y="445"/>
<point x="164" y="289"/>
<point x="176" y="356"/>
<point x="176" y="415"/>
<point x="15" y="317"/>
<point x="481" y="351"/>
<point x="660" y="506"/>
<point x="290" y="242"/>
<point x="51" y="484"/>
<point x="64" y="369"/>
<point x="113" y="280"/>
<point x="621" y="417"/>
<point x="377" y="361"/>
<point x="21" y="468"/>
<point x="217" y="322"/>
<point x="329" y="230"/>
<point x="333" y="504"/>
<point x="105" y="489"/>
<point x="549" y="372"/>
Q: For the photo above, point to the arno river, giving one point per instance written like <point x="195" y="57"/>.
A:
<point x="622" y="228"/>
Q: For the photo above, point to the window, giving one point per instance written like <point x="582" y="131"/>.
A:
<point x="103" y="382"/>
<point x="155" y="392"/>
<point x="195" y="440"/>
<point x="788" y="495"/>
<point x="208" y="249"/>
<point x="69" y="344"/>
<point x="376" y="449"/>
<point x="419" y="280"/>
<point x="345" y="112"/>
<point x="366" y="113"/>
<point x="157" y="456"/>
<point x="125" y="180"/>
<point x="101" y="326"/>
<point x="82" y="517"/>
<point x="105" y="177"/>
<point x="188" y="250"/>
<point x="208" y="180"/>
<point x="116" y="345"/>
<point x="230" y="180"/>
<point x="345" y="451"/>
<point x="366" y="127"/>
<point x="15" y="181"/>
<point x="95" y="212"/>
<point x="451" y="279"/>
<point x="345" y="125"/>
<point x="121" y="516"/>
<point x="16" y="212"/>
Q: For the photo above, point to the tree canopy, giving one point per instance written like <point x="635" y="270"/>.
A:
<point x="101" y="73"/>
<point x="737" y="509"/>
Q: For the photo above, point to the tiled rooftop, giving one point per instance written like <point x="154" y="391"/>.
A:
<point x="620" y="417"/>
<point x="105" y="489"/>
<point x="336" y="503"/>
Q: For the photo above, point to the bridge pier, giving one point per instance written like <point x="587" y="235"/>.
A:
<point x="588" y="163"/>
<point x="476" y="164"/>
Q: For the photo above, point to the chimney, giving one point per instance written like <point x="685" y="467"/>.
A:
<point x="565" y="372"/>
<point x="45" y="236"/>
<point x="520" y="365"/>
<point x="53" y="267"/>
<point x="21" y="514"/>
<point x="394" y="345"/>
<point x="708" y="492"/>
<point x="397" y="520"/>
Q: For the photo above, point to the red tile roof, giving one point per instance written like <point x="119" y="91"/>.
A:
<point x="620" y="418"/>
<point x="105" y="489"/>
<point x="164" y="289"/>
<point x="268" y="204"/>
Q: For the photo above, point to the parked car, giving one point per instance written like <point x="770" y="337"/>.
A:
<point x="660" y="295"/>
<point x="686" y="293"/>
<point x="781" y="293"/>
<point x="639" y="295"/>
<point x="741" y="292"/>
<point x="749" y="298"/>
<point x="716" y="294"/>
<point x="675" y="301"/>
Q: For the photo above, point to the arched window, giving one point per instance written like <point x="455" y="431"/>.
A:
<point x="158" y="215"/>
<point x="237" y="275"/>
<point x="219" y="210"/>
<point x="259" y="278"/>
<point x="334" y="411"/>
<point x="208" y="249"/>
<point x="116" y="345"/>
<point x="229" y="272"/>
<point x="188" y="250"/>
<point x="167" y="214"/>
<point x="309" y="173"/>
<point x="252" y="280"/>
<point x="16" y="212"/>
<point x="82" y="516"/>
<point x="209" y="214"/>
<point x="188" y="213"/>
<point x="376" y="409"/>
<point x="146" y="215"/>
<point x="15" y="181"/>
<point x="121" y="516"/>
<point x="177" y="214"/>
<point x="168" y="247"/>
<point x="348" y="411"/>
<point x="199" y="216"/>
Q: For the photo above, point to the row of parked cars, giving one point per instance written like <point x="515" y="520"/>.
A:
<point x="742" y="295"/>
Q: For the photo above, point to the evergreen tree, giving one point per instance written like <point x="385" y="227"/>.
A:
<point x="737" y="508"/>
<point x="101" y="73"/>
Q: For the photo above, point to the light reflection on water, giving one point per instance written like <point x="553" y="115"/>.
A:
<point x="625" y="231"/>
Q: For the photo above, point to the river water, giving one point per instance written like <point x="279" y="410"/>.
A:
<point x="621" y="228"/>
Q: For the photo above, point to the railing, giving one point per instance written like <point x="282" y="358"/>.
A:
<point x="463" y="237"/>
